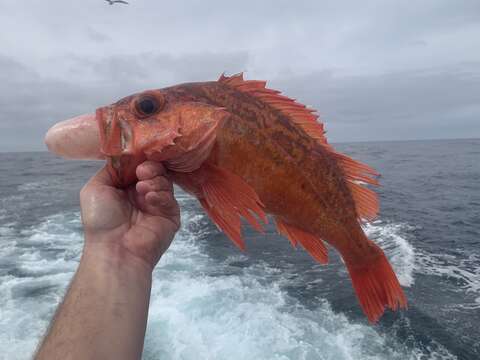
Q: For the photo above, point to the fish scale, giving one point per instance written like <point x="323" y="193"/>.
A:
<point x="244" y="151"/>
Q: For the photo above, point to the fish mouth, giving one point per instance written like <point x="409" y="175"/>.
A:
<point x="116" y="134"/>
<point x="75" y="138"/>
<point x="117" y="145"/>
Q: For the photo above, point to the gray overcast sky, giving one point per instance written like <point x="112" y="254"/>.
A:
<point x="375" y="70"/>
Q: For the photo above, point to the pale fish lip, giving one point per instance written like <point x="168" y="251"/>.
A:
<point x="76" y="138"/>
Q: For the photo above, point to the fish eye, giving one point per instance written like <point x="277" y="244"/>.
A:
<point x="147" y="105"/>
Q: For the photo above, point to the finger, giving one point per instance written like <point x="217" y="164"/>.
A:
<point x="160" y="199"/>
<point x="158" y="183"/>
<point x="149" y="169"/>
<point x="102" y="177"/>
<point x="161" y="203"/>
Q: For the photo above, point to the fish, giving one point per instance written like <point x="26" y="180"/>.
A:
<point x="247" y="152"/>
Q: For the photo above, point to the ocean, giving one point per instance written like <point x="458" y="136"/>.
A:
<point x="211" y="301"/>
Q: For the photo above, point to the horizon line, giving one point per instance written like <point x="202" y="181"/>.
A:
<point x="333" y="143"/>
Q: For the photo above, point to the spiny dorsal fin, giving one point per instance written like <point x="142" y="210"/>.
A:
<point x="296" y="112"/>
<point x="366" y="200"/>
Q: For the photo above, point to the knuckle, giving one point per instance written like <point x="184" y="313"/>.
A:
<point x="149" y="169"/>
<point x="155" y="167"/>
<point x="168" y="200"/>
<point x="165" y="197"/>
<point x="160" y="182"/>
<point x="84" y="191"/>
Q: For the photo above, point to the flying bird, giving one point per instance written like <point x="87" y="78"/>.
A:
<point x="111" y="2"/>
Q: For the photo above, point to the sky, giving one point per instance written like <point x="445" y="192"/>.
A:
<point x="374" y="70"/>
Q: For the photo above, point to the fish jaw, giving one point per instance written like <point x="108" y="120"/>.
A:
<point x="76" y="138"/>
<point x="116" y="132"/>
<point x="182" y="137"/>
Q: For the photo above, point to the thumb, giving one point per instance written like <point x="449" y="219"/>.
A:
<point x="102" y="177"/>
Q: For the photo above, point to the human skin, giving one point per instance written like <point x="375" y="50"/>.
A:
<point x="104" y="312"/>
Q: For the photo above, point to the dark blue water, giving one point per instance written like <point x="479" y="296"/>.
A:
<point x="271" y="302"/>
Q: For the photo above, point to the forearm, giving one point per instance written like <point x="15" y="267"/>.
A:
<point x="104" y="313"/>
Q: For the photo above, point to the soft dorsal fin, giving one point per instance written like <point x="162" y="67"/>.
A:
<point x="366" y="201"/>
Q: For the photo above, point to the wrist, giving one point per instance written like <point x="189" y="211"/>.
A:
<point x="111" y="256"/>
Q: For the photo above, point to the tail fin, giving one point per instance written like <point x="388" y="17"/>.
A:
<point x="376" y="285"/>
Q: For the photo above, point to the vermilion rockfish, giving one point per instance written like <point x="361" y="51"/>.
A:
<point x="244" y="150"/>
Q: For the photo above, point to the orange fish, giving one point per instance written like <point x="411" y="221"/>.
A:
<point x="244" y="150"/>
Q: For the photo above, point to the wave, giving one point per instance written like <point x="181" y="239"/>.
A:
<point x="463" y="270"/>
<point x="392" y="239"/>
<point x="196" y="313"/>
<point x="36" y="265"/>
<point x="198" y="308"/>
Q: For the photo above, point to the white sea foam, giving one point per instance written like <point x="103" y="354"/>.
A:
<point x="41" y="262"/>
<point x="193" y="314"/>
<point x="462" y="269"/>
<point x="392" y="239"/>
<point x="406" y="260"/>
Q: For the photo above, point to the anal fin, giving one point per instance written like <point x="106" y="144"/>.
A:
<point x="311" y="243"/>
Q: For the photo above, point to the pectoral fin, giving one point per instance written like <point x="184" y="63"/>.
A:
<point x="226" y="198"/>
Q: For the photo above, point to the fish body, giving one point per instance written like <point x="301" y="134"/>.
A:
<point x="291" y="172"/>
<point x="295" y="176"/>
<point x="246" y="151"/>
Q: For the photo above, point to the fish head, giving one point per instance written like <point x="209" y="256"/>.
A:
<point x="161" y="125"/>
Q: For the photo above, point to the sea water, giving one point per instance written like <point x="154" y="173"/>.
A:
<point x="211" y="301"/>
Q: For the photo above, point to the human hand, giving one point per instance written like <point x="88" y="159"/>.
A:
<point x="139" y="221"/>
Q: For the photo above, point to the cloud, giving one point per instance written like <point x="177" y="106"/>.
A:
<point x="160" y="69"/>
<point x="30" y="103"/>
<point x="374" y="69"/>
<point x="428" y="103"/>
<point x="97" y="36"/>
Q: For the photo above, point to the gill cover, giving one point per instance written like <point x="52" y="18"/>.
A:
<point x="147" y="126"/>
